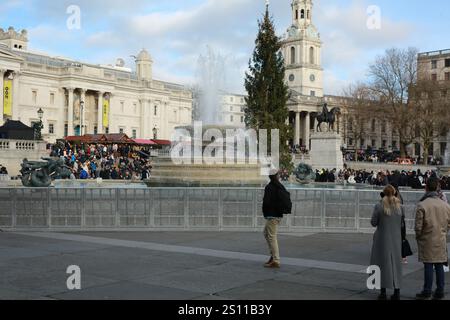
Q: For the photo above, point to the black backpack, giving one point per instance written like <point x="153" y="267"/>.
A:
<point x="285" y="201"/>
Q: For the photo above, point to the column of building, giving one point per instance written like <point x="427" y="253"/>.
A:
<point x="16" y="96"/>
<point x="83" y="112"/>
<point x="70" y="131"/>
<point x="307" y="130"/>
<point x="2" y="75"/>
<point x="297" y="129"/>
<point x="100" y="113"/>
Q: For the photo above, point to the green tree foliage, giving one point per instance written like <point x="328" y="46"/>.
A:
<point x="267" y="92"/>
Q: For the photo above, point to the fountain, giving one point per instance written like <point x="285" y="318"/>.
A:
<point x="210" y="165"/>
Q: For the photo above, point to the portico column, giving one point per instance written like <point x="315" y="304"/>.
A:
<point x="297" y="129"/>
<point x="315" y="122"/>
<point x="83" y="112"/>
<point x="100" y="113"/>
<point x="2" y="74"/>
<point x="307" y="130"/>
<point x="16" y="95"/>
<point x="70" y="131"/>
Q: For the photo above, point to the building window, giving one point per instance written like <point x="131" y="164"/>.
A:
<point x="231" y="108"/>
<point x="134" y="134"/>
<point x="95" y="130"/>
<point x="308" y="15"/>
<point x="242" y="109"/>
<point x="384" y="127"/>
<point x="302" y="14"/>
<point x="313" y="93"/>
<point x="394" y="144"/>
<point x="373" y="126"/>
<point x="51" y="128"/>
<point x="34" y="96"/>
<point x="311" y="55"/>
<point x="231" y="118"/>
<point x="434" y="77"/>
<point x="363" y="142"/>
<point x="374" y="144"/>
<point x="350" y="142"/>
<point x="242" y="100"/>
<point x="292" y="55"/>
<point x="384" y="144"/>
<point x="296" y="14"/>
<point x="155" y="111"/>
<point x="447" y="76"/>
<point x="122" y="107"/>
<point x="232" y="99"/>
<point x="134" y="108"/>
<point x="443" y="148"/>
<point x="447" y="63"/>
<point x="242" y="119"/>
<point x="121" y="130"/>
<point x="66" y="130"/>
<point x="433" y="64"/>
<point x="107" y="130"/>
<point x="52" y="99"/>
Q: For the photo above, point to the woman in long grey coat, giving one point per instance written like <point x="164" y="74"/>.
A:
<point x="387" y="242"/>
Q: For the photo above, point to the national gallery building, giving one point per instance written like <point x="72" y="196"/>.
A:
<point x="82" y="98"/>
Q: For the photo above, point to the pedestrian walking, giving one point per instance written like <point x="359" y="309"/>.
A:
<point x="276" y="203"/>
<point x="431" y="226"/>
<point x="387" y="244"/>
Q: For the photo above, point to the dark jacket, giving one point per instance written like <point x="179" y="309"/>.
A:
<point x="277" y="200"/>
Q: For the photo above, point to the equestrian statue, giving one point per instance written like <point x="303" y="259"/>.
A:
<point x="327" y="117"/>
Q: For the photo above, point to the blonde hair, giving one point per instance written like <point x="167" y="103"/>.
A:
<point x="391" y="203"/>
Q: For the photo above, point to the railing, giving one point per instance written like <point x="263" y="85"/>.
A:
<point x="18" y="145"/>
<point x="185" y="209"/>
<point x="5" y="177"/>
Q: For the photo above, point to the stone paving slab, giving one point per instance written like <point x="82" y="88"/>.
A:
<point x="191" y="265"/>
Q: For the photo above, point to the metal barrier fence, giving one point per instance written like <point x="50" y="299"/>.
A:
<point x="318" y="210"/>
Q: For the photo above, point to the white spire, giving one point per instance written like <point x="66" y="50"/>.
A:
<point x="267" y="3"/>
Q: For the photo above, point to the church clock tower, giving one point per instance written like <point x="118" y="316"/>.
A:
<point x="302" y="51"/>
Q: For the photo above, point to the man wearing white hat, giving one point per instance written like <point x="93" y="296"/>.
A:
<point x="276" y="203"/>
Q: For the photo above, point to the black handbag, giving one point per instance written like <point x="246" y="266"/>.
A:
<point x="406" y="249"/>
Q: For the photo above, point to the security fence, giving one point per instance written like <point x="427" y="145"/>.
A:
<point x="185" y="209"/>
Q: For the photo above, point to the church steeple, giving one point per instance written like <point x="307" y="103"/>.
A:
<point x="302" y="51"/>
<point x="302" y="13"/>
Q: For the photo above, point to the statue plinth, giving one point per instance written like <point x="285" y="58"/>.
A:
<point x="326" y="151"/>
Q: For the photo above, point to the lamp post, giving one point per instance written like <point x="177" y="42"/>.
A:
<point x="81" y="117"/>
<point x="39" y="126"/>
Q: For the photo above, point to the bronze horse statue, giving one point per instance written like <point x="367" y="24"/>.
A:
<point x="327" y="117"/>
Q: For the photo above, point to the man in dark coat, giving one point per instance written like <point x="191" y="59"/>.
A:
<point x="276" y="203"/>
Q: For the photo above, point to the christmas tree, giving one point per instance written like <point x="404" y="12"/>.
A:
<point x="267" y="92"/>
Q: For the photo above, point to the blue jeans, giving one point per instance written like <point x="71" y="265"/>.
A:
<point x="440" y="277"/>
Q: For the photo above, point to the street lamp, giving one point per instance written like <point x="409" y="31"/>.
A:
<point x="81" y="117"/>
<point x="37" y="127"/>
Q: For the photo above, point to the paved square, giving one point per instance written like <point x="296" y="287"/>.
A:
<point x="190" y="265"/>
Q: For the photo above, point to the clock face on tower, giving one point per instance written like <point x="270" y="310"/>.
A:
<point x="312" y="78"/>
<point x="291" y="78"/>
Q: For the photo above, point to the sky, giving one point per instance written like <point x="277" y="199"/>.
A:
<point x="177" y="32"/>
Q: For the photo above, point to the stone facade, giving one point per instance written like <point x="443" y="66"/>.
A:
<point x="116" y="99"/>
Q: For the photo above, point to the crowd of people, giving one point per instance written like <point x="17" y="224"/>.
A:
<point x="116" y="162"/>
<point x="380" y="156"/>
<point x="413" y="179"/>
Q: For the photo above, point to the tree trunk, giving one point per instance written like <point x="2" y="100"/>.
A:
<point x="403" y="147"/>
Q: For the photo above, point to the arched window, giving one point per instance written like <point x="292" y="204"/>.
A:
<point x="302" y="14"/>
<point x="292" y="55"/>
<point x="311" y="55"/>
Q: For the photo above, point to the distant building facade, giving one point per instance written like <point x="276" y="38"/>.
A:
<point x="82" y="98"/>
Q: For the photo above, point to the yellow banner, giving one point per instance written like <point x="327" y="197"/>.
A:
<point x="7" y="98"/>
<point x="105" y="113"/>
